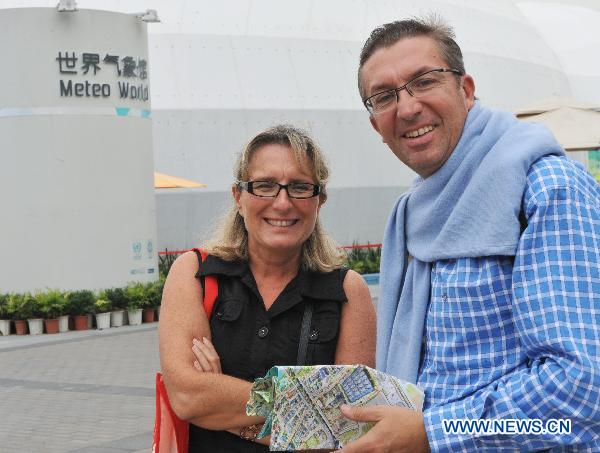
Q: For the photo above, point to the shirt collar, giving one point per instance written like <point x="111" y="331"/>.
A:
<point x="213" y="265"/>
<point x="306" y="285"/>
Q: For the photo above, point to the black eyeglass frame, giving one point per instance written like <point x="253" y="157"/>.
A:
<point x="248" y="186"/>
<point x="367" y="101"/>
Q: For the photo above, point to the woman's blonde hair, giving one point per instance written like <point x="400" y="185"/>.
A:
<point x="230" y="239"/>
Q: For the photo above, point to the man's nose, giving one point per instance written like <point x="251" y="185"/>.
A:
<point x="407" y="106"/>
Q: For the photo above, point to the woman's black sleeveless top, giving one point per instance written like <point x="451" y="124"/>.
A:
<point x="250" y="339"/>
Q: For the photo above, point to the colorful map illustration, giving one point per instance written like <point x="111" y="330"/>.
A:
<point x="301" y="404"/>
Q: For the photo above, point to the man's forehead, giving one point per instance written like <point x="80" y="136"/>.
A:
<point x="393" y="65"/>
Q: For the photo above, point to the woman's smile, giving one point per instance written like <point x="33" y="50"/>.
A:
<point x="281" y="222"/>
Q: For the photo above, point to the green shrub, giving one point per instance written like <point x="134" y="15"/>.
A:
<point x="154" y="293"/>
<point x="165" y="262"/>
<point x="81" y="302"/>
<point x="24" y="306"/>
<point x="102" y="306"/>
<point x="12" y="303"/>
<point x="117" y="298"/>
<point x="365" y="260"/>
<point x="136" y="295"/>
<point x="4" y="306"/>
<point x="52" y="303"/>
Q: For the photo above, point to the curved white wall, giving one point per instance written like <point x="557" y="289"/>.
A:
<point x="222" y="71"/>
<point x="76" y="180"/>
<point x="233" y="71"/>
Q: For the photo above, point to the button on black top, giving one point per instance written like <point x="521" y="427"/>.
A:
<point x="314" y="335"/>
<point x="263" y="332"/>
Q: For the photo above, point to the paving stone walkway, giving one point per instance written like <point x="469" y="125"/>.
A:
<point x="78" y="392"/>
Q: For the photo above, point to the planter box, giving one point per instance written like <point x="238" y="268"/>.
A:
<point x="51" y="325"/>
<point x="36" y="326"/>
<point x="135" y="317"/>
<point x="21" y="327"/>
<point x="116" y="318"/>
<point x="148" y="314"/>
<point x="103" y="320"/>
<point x="371" y="279"/>
<point x="373" y="282"/>
<point x="4" y="326"/>
<point x="63" y="323"/>
<point x="81" y="322"/>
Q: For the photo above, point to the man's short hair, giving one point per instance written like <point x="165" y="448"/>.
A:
<point x="431" y="26"/>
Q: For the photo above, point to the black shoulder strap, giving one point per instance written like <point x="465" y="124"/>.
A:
<point x="522" y="220"/>
<point x="199" y="255"/>
<point x="304" y="332"/>
<point x="198" y="276"/>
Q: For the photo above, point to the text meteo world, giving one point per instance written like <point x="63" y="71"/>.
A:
<point x="96" y="90"/>
<point x="127" y="68"/>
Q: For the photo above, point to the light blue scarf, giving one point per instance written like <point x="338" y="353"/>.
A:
<point x="468" y="208"/>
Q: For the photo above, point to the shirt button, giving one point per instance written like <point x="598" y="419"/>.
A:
<point x="263" y="332"/>
<point x="445" y="297"/>
<point x="314" y="335"/>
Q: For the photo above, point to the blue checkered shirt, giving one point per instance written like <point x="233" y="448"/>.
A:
<point x="519" y="337"/>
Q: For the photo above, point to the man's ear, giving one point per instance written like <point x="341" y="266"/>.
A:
<point x="375" y="126"/>
<point x="468" y="89"/>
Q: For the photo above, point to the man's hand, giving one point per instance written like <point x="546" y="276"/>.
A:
<point x="397" y="429"/>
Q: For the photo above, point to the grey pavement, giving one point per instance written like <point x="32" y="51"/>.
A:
<point x="81" y="392"/>
<point x="78" y="392"/>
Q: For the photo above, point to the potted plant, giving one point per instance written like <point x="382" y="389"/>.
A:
<point x="136" y="300"/>
<point x="29" y="308"/>
<point x="52" y="304"/>
<point x="102" y="308"/>
<point x="63" y="316"/>
<point x="152" y="298"/>
<point x="4" y="317"/>
<point x="12" y="306"/>
<point x="81" y="303"/>
<point x="365" y="260"/>
<point x="118" y="300"/>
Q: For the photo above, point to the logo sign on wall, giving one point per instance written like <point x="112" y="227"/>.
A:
<point x="131" y="74"/>
<point x="137" y="254"/>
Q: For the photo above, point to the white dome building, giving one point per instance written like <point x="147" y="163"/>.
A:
<point x="222" y="71"/>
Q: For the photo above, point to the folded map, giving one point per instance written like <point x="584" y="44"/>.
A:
<point x="301" y="404"/>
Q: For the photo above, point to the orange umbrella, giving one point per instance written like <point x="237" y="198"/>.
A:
<point x="164" y="181"/>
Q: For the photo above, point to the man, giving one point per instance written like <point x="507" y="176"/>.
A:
<point x="490" y="285"/>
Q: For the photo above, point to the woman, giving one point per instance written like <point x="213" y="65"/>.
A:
<point x="272" y="261"/>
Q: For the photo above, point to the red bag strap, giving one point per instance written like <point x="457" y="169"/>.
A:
<point x="175" y="429"/>
<point x="211" y="287"/>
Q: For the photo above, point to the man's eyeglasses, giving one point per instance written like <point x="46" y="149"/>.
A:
<point x="271" y="189"/>
<point x="420" y="86"/>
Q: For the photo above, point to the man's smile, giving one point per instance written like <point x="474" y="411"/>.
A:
<point x="419" y="132"/>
